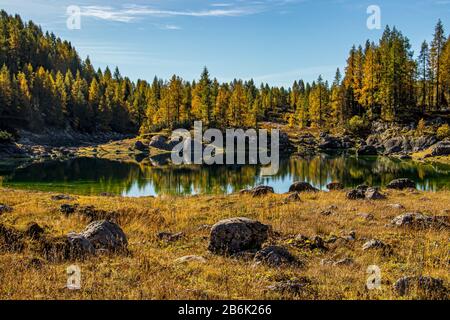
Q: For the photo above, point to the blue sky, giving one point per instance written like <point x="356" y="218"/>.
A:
<point x="273" y="41"/>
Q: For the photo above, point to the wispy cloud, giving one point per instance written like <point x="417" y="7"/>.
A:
<point x="130" y="13"/>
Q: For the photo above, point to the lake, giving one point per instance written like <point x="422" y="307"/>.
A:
<point x="89" y="176"/>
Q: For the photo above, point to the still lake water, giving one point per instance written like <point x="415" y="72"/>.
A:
<point x="87" y="176"/>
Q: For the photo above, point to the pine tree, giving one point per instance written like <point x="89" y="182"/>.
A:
<point x="437" y="46"/>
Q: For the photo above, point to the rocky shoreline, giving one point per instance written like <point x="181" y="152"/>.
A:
<point x="403" y="142"/>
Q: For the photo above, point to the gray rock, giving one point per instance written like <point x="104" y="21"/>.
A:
<point x="366" y="216"/>
<point x="293" y="197"/>
<point x="419" y="220"/>
<point x="302" y="187"/>
<point x="356" y="194"/>
<point x="375" y="244"/>
<point x="423" y="143"/>
<point x="401" y="184"/>
<point x="68" y="209"/>
<point x="261" y="191"/>
<point x="159" y="142"/>
<point x="106" y="235"/>
<point x="234" y="235"/>
<point x="430" y="286"/>
<point x="192" y="258"/>
<point x="78" y="246"/>
<point x="374" y="194"/>
<point x="140" y="146"/>
<point x="275" y="256"/>
<point x="441" y="149"/>
<point x="169" y="237"/>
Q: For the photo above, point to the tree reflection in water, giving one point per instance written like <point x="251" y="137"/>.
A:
<point x="94" y="176"/>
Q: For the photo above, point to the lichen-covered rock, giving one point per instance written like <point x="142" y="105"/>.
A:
<point x="302" y="187"/>
<point x="234" y="235"/>
<point x="375" y="244"/>
<point x="401" y="184"/>
<point x="432" y="287"/>
<point x="106" y="235"/>
<point x="275" y="256"/>
<point x="419" y="220"/>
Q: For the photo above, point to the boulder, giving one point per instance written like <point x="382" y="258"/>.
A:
<point x="274" y="256"/>
<point x="419" y="221"/>
<point x="367" y="150"/>
<point x="106" y="235"/>
<point x="292" y="197"/>
<point x="302" y="187"/>
<point x="234" y="235"/>
<point x="159" y="142"/>
<point x="430" y="286"/>
<point x="335" y="186"/>
<point x="330" y="143"/>
<point x="355" y="194"/>
<point x="68" y="209"/>
<point x="169" y="237"/>
<point x="401" y="184"/>
<point x="374" y="194"/>
<point x="140" y="146"/>
<point x="441" y="149"/>
<point x="375" y="244"/>
<point x="261" y="191"/>
<point x="79" y="246"/>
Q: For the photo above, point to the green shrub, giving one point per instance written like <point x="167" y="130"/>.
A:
<point x="357" y="125"/>
<point x="443" y="131"/>
<point x="5" y="137"/>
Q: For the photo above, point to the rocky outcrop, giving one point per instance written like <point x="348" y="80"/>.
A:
<point x="302" y="187"/>
<point x="432" y="287"/>
<point x="441" y="149"/>
<point x="234" y="235"/>
<point x="106" y="235"/>
<point x="401" y="184"/>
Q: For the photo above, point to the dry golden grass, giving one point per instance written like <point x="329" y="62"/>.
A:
<point x="149" y="271"/>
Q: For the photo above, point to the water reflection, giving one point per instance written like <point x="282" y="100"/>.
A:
<point x="94" y="176"/>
